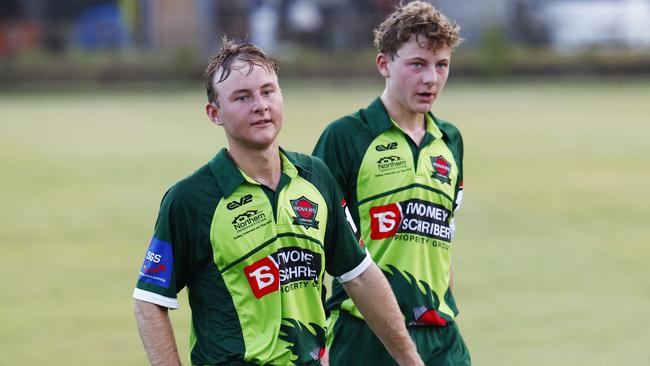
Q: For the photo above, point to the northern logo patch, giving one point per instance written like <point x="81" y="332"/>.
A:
<point x="306" y="211"/>
<point x="391" y="164"/>
<point x="392" y="161"/>
<point x="248" y="219"/>
<point x="158" y="264"/>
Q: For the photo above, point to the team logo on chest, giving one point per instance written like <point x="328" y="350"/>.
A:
<point x="305" y="211"/>
<point x="441" y="169"/>
<point x="391" y="162"/>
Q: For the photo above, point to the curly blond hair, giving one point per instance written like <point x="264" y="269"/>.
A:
<point x="431" y="28"/>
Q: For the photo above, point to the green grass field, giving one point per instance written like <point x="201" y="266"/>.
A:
<point x="551" y="253"/>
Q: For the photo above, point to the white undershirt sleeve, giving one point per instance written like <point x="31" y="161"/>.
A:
<point x="154" y="298"/>
<point x="356" y="271"/>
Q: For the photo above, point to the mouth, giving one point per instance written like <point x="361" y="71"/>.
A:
<point x="262" y="122"/>
<point x="426" y="95"/>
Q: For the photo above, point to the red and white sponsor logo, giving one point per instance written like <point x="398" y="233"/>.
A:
<point x="286" y="265"/>
<point x="441" y="165"/>
<point x="306" y="212"/>
<point x="263" y="277"/>
<point x="441" y="169"/>
<point x="384" y="221"/>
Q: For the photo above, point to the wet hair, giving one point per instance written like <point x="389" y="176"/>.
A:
<point x="431" y="28"/>
<point x="222" y="62"/>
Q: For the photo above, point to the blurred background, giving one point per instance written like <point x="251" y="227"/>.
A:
<point x="142" y="40"/>
<point x="101" y="111"/>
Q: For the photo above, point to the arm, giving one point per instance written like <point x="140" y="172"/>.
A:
<point x="156" y="333"/>
<point x="373" y="296"/>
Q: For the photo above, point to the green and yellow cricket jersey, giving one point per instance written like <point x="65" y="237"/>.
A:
<point x="402" y="199"/>
<point x="252" y="260"/>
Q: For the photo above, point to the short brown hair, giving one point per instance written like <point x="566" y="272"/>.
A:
<point x="230" y="52"/>
<point x="420" y="19"/>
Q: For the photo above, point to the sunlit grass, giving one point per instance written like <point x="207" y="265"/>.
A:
<point x="550" y="255"/>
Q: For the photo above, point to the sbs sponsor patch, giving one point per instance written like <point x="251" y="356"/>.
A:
<point x="158" y="264"/>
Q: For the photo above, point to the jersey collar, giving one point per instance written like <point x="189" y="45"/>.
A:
<point x="380" y="121"/>
<point x="229" y="177"/>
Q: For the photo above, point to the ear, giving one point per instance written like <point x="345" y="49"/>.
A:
<point x="213" y="113"/>
<point x="382" y="64"/>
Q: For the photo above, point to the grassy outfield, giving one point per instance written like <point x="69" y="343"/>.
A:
<point x="551" y="253"/>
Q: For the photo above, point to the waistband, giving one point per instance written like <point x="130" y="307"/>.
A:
<point x="245" y="363"/>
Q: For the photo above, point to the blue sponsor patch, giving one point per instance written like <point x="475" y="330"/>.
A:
<point x="158" y="263"/>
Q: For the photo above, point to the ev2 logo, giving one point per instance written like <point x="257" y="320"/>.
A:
<point x="242" y="201"/>
<point x="389" y="146"/>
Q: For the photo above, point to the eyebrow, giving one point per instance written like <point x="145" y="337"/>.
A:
<point x="424" y="60"/>
<point x="239" y="91"/>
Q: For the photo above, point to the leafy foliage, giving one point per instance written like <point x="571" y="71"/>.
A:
<point x="303" y="343"/>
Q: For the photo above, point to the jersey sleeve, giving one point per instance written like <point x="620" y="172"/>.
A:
<point x="163" y="272"/>
<point x="460" y="183"/>
<point x="345" y="257"/>
<point x="455" y="143"/>
<point x="329" y="149"/>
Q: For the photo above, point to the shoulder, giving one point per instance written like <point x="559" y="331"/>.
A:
<point x="346" y="127"/>
<point x="449" y="130"/>
<point x="192" y="192"/>
<point x="314" y="170"/>
<point x="310" y="164"/>
<point x="345" y="138"/>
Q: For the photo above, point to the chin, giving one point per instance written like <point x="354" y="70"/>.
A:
<point x="423" y="108"/>
<point x="263" y="143"/>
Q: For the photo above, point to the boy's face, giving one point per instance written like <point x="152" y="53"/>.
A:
<point x="250" y="107"/>
<point x="416" y="76"/>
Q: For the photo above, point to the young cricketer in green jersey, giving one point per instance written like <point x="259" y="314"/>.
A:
<point x="250" y="235"/>
<point x="400" y="169"/>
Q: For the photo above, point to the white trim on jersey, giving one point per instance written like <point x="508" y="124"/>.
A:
<point x="459" y="199"/>
<point x="154" y="298"/>
<point x="356" y="271"/>
<point x="452" y="227"/>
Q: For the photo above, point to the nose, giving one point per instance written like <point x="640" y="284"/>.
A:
<point x="260" y="105"/>
<point x="430" y="77"/>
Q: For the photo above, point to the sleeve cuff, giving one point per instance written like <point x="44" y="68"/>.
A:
<point x="154" y="298"/>
<point x="356" y="271"/>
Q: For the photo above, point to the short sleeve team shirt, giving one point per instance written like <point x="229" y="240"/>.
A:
<point x="402" y="199"/>
<point x="252" y="260"/>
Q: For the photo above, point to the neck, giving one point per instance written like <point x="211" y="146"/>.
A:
<point x="263" y="165"/>
<point x="413" y="123"/>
